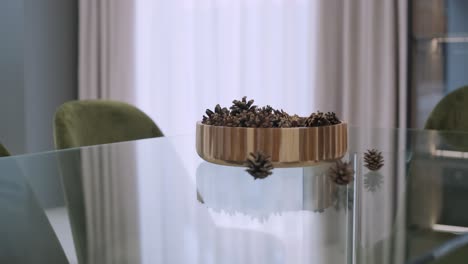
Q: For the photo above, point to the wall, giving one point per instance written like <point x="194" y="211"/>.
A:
<point x="12" y="112"/>
<point x="38" y="72"/>
<point x="38" y="69"/>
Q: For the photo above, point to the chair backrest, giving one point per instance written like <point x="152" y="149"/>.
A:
<point x="3" y="151"/>
<point x="92" y="122"/>
<point x="451" y="113"/>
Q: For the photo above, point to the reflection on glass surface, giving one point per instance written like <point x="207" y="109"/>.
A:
<point x="295" y="205"/>
<point x="419" y="202"/>
<point x="139" y="202"/>
<point x="232" y="190"/>
<point x="25" y="234"/>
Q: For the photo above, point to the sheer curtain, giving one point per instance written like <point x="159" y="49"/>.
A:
<point x="191" y="55"/>
<point x="106" y="50"/>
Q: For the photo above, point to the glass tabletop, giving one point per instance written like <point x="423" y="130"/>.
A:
<point x="156" y="201"/>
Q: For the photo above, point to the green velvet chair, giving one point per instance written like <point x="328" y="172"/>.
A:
<point x="93" y="122"/>
<point x="3" y="151"/>
<point x="451" y="115"/>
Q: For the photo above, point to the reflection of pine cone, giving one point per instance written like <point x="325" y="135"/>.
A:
<point x="342" y="173"/>
<point x="373" y="160"/>
<point x="344" y="199"/>
<point x="372" y="181"/>
<point x="259" y="165"/>
<point x="240" y="106"/>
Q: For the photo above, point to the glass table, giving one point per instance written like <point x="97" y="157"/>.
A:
<point x="156" y="201"/>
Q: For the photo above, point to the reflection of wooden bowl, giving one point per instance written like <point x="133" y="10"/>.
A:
<point x="288" y="147"/>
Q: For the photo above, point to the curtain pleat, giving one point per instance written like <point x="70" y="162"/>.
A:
<point x="110" y="198"/>
<point x="106" y="50"/>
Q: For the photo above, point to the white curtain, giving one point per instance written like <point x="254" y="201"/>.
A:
<point x="176" y="58"/>
<point x="173" y="59"/>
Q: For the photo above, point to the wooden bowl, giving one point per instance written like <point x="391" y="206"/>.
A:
<point x="287" y="147"/>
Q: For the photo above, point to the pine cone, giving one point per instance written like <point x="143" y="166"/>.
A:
<point x="263" y="120"/>
<point x="316" y="120"/>
<point x="280" y="118"/>
<point x="373" y="160"/>
<point x="259" y="165"/>
<point x="284" y="121"/>
<point x="297" y="121"/>
<point x="267" y="110"/>
<point x="240" y="106"/>
<point x="342" y="173"/>
<point x="245" y="119"/>
<point x="216" y="118"/>
<point x="231" y="121"/>
<point x="332" y="118"/>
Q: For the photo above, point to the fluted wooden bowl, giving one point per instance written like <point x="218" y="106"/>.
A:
<point x="287" y="147"/>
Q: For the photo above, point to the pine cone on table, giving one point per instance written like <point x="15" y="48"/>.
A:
<point x="342" y="173"/>
<point x="259" y="165"/>
<point x="373" y="160"/>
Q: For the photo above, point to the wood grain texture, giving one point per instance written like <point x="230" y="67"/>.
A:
<point x="288" y="147"/>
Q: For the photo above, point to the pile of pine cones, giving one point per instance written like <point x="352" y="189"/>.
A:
<point x="244" y="114"/>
